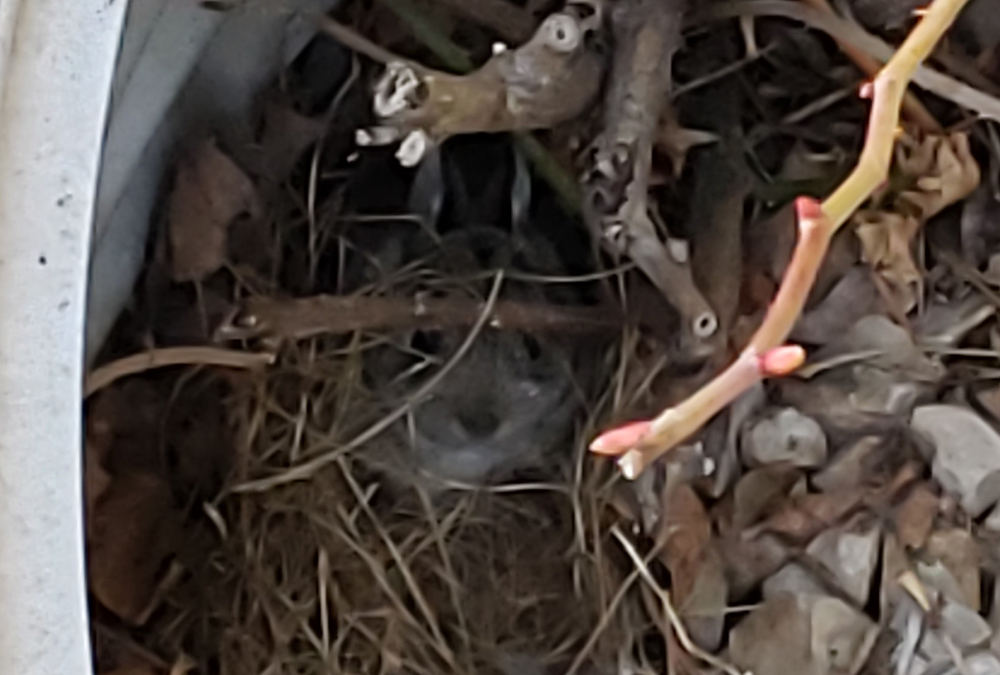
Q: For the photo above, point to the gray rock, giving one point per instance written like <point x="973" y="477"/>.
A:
<point x="966" y="627"/>
<point x="966" y="454"/>
<point x="803" y="634"/>
<point x="850" y="467"/>
<point x="983" y="663"/>
<point x="792" y="578"/>
<point x="850" y="556"/>
<point x="787" y="436"/>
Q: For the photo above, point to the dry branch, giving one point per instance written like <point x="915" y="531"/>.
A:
<point x="301" y="318"/>
<point x="646" y="34"/>
<point x="817" y="224"/>
<point x="101" y="377"/>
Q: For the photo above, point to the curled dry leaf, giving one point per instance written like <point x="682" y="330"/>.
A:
<point x="210" y="191"/>
<point x="886" y="244"/>
<point x="939" y="171"/>
<point x="944" y="170"/>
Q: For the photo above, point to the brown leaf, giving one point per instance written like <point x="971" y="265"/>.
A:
<point x="806" y="516"/>
<point x="886" y="244"/>
<point x="209" y="192"/>
<point x="760" y="492"/>
<point x="133" y="533"/>
<point x="684" y="533"/>
<point x="914" y="518"/>
<point x="944" y="169"/>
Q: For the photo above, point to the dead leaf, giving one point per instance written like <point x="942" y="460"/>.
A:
<point x="210" y="191"/>
<point x="914" y="518"/>
<point x="944" y="169"/>
<point x="684" y="533"/>
<point x="760" y="492"/>
<point x="810" y="514"/>
<point x="134" y="530"/>
<point x="886" y="244"/>
<point x="939" y="171"/>
<point x="704" y="608"/>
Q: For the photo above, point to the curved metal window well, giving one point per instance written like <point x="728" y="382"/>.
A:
<point x="56" y="64"/>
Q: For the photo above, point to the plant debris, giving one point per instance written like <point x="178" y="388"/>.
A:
<point x="367" y="438"/>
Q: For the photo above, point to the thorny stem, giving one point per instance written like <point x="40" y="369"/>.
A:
<point x="817" y="224"/>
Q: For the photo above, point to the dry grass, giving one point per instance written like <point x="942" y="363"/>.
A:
<point x="348" y="571"/>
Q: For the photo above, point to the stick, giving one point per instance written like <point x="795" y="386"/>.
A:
<point x="912" y="106"/>
<point x="668" y="608"/>
<point x="302" y="318"/>
<point x="850" y="33"/>
<point x="308" y="469"/>
<point x="817" y="225"/>
<point x="99" y="378"/>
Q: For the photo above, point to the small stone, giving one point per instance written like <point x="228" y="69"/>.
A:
<point x="966" y="454"/>
<point x="983" y="663"/>
<point x="850" y="556"/>
<point x="964" y="625"/>
<point x="792" y="578"/>
<point x="787" y="436"/>
<point x="803" y="634"/>
<point x="958" y="552"/>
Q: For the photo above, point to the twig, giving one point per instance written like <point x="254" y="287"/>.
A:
<point x="912" y="106"/>
<point x="307" y="469"/>
<point x="668" y="608"/>
<point x="548" y="168"/>
<point x="616" y="203"/>
<point x="640" y="444"/>
<point x="101" y="377"/>
<point x="852" y="34"/>
<point x="301" y="318"/>
<point x="602" y="623"/>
